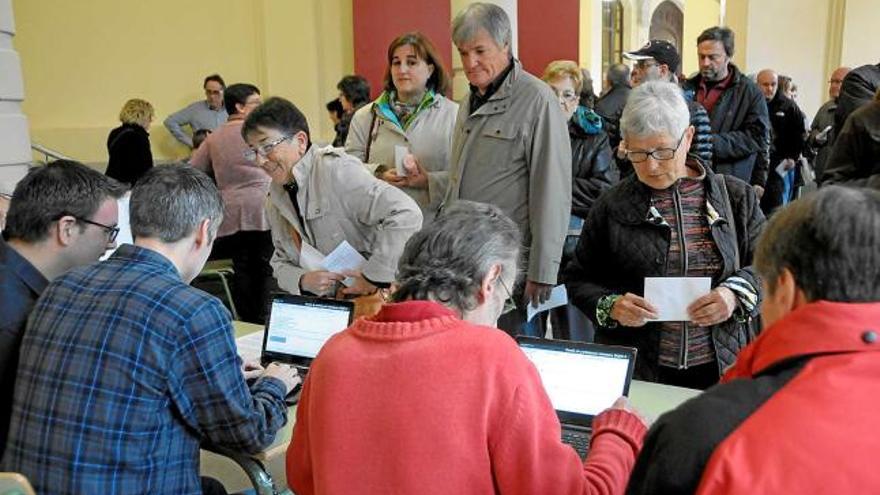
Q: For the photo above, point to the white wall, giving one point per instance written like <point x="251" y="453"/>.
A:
<point x="790" y="36"/>
<point x="15" y="149"/>
<point x="861" y="33"/>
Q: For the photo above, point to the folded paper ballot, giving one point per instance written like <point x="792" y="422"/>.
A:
<point x="558" y="297"/>
<point x="672" y="295"/>
<point x="343" y="258"/>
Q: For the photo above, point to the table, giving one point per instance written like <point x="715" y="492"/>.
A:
<point x="651" y="399"/>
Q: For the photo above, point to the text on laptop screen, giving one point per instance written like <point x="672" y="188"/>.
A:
<point x="301" y="329"/>
<point x="580" y="381"/>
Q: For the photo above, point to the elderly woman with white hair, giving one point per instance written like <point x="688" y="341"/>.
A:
<point x="673" y="218"/>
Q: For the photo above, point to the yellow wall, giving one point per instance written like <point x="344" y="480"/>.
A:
<point x="737" y="18"/>
<point x="82" y="60"/>
<point x="861" y="36"/>
<point x="698" y="15"/>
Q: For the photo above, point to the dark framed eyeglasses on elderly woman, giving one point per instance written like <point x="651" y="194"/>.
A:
<point x="509" y="303"/>
<point x="661" y="154"/>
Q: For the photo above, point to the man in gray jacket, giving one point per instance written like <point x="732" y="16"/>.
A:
<point x="510" y="148"/>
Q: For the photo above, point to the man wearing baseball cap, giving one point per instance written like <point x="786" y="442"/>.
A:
<point x="658" y="60"/>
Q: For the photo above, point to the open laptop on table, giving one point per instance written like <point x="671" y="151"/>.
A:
<point x="581" y="380"/>
<point x="299" y="326"/>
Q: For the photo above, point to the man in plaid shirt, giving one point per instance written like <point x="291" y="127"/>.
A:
<point x="125" y="369"/>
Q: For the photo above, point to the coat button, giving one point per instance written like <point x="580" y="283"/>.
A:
<point x="657" y="260"/>
<point x="869" y="337"/>
<point x="467" y="131"/>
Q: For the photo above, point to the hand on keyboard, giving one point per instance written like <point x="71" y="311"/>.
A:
<point x="623" y="403"/>
<point x="284" y="372"/>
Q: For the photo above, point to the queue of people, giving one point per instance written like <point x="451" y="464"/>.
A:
<point x="464" y="214"/>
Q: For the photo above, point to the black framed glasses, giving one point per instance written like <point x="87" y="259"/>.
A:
<point x="264" y="149"/>
<point x="661" y="154"/>
<point x="111" y="230"/>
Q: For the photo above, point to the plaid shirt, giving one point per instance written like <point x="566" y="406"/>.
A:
<point x="124" y="370"/>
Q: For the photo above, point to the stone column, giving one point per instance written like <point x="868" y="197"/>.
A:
<point x="15" y="144"/>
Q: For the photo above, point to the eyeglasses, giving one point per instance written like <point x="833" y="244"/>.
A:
<point x="509" y="303"/>
<point x="661" y="154"/>
<point x="567" y="96"/>
<point x="111" y="230"/>
<point x="213" y="91"/>
<point x="645" y="64"/>
<point x="264" y="149"/>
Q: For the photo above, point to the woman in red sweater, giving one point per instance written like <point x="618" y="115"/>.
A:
<point x="428" y="397"/>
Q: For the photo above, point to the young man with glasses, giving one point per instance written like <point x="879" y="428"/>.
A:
<point x="61" y="216"/>
<point x="320" y="197"/>
<point x="208" y="114"/>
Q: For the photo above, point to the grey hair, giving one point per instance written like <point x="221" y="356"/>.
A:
<point x="170" y="201"/>
<point x="447" y="260"/>
<point x="655" y="108"/>
<point x="618" y="75"/>
<point x="478" y="16"/>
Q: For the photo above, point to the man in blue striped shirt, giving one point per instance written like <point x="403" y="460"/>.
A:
<point x="125" y="369"/>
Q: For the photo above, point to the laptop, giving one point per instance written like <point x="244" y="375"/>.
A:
<point x="299" y="326"/>
<point x="581" y="380"/>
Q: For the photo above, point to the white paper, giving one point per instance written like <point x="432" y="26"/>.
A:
<point x="558" y="297"/>
<point x="310" y="258"/>
<point x="250" y="347"/>
<point x="344" y="258"/>
<point x="400" y="153"/>
<point x="672" y="295"/>
<point x="780" y="169"/>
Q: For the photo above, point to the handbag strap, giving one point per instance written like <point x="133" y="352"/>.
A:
<point x="729" y="208"/>
<point x="370" y="134"/>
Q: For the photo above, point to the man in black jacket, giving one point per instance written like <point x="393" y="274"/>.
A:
<point x="858" y="88"/>
<point x="855" y="158"/>
<point x="737" y="110"/>
<point x="788" y="138"/>
<point x="610" y="105"/>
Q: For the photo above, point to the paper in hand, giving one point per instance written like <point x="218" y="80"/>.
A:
<point x="400" y="153"/>
<point x="672" y="295"/>
<point x="558" y="297"/>
<point x="344" y="258"/>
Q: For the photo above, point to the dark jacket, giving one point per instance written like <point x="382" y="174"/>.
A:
<point x="592" y="169"/>
<point x="787" y="141"/>
<point x="130" y="155"/>
<point x="610" y="106"/>
<point x="741" y="129"/>
<point x="796" y="414"/>
<point x="858" y="88"/>
<point x="855" y="158"/>
<point x="619" y="247"/>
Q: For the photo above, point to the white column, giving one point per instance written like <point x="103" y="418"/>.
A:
<point x="459" y="81"/>
<point x="15" y="144"/>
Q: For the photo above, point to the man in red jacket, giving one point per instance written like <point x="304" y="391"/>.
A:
<point x="427" y="397"/>
<point x="799" y="410"/>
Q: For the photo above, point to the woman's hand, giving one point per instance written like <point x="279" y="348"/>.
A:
<point x="631" y="310"/>
<point x="713" y="308"/>
<point x="320" y="282"/>
<point x="417" y="176"/>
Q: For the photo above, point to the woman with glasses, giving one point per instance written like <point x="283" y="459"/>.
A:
<point x="592" y="173"/>
<point x="320" y="198"/>
<point x="673" y="218"/>
<point x="129" y="144"/>
<point x="428" y="396"/>
<point x="410" y="124"/>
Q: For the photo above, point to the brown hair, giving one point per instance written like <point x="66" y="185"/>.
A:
<point x="439" y="80"/>
<point x="558" y="69"/>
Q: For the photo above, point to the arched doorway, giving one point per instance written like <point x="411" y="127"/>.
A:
<point x="667" y="23"/>
<point x="612" y="33"/>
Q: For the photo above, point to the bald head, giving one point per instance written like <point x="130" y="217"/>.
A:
<point x="836" y="81"/>
<point x="768" y="82"/>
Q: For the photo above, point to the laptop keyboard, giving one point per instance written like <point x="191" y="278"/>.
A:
<point x="579" y="439"/>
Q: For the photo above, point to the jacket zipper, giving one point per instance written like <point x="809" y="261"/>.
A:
<point x="679" y="225"/>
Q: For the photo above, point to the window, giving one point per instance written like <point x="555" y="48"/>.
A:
<point x="612" y="33"/>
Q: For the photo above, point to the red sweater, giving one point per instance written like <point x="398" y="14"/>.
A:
<point x="415" y="400"/>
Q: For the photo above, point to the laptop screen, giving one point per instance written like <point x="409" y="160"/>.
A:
<point x="299" y="326"/>
<point x="581" y="380"/>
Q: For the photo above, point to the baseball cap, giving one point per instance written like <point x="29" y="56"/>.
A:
<point x="662" y="51"/>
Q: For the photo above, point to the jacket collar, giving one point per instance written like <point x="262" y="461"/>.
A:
<point x="821" y="327"/>
<point x="499" y="101"/>
<point x="735" y="73"/>
<point x="22" y="268"/>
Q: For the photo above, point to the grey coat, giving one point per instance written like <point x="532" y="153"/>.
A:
<point x="428" y="137"/>
<point x="339" y="200"/>
<point x="514" y="152"/>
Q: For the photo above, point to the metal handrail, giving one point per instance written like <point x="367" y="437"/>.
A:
<point x="49" y="153"/>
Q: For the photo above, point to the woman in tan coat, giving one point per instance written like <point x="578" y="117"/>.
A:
<point x="409" y="127"/>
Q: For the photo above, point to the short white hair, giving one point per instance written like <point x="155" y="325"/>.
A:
<point x="655" y="108"/>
